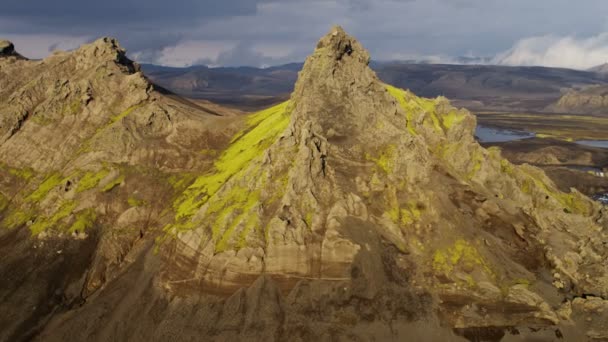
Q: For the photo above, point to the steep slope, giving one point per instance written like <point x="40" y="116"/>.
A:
<point x="353" y="211"/>
<point x="90" y="155"/>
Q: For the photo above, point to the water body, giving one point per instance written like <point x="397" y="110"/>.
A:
<point x="583" y="168"/>
<point x="495" y="135"/>
<point x="603" y="198"/>
<point x="593" y="143"/>
<point x="492" y="135"/>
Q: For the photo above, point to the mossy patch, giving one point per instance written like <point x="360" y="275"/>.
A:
<point x="135" y="202"/>
<point x="437" y="113"/>
<point x="3" y="202"/>
<point x="461" y="254"/>
<point x="17" y="218"/>
<point x="114" y="183"/>
<point x="43" y="223"/>
<point x="26" y="173"/>
<point x="85" y="220"/>
<point x="124" y="114"/>
<point x="262" y="131"/>
<point x="91" y="179"/>
<point x="386" y="160"/>
<point x="572" y="202"/>
<point x="45" y="187"/>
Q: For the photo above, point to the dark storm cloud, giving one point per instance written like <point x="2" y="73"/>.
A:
<point x="59" y="15"/>
<point x="261" y="32"/>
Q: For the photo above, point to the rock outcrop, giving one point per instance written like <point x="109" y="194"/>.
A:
<point x="7" y="49"/>
<point x="354" y="210"/>
<point x="590" y="100"/>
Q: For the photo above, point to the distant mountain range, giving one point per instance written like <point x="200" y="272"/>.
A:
<point x="478" y="87"/>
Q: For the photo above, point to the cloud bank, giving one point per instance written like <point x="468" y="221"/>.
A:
<point x="562" y="52"/>
<point x="266" y="32"/>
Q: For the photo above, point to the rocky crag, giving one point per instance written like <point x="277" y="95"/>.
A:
<point x="353" y="211"/>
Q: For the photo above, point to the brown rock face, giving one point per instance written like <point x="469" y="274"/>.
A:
<point x="361" y="161"/>
<point x="355" y="210"/>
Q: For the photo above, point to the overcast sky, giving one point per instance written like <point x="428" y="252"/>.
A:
<point x="562" y="33"/>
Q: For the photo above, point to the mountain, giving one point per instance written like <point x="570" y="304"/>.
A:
<point x="482" y="87"/>
<point x="242" y="86"/>
<point x="601" y="69"/>
<point x="354" y="210"/>
<point x="589" y="100"/>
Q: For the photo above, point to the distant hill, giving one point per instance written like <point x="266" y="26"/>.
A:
<point x="474" y="86"/>
<point x="590" y="100"/>
<point x="603" y="68"/>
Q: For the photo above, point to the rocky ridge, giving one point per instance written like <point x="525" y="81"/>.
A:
<point x="354" y="210"/>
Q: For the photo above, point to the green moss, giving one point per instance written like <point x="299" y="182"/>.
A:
<point x="405" y="216"/>
<point x="84" y="220"/>
<point x="3" y="202"/>
<point x="124" y="114"/>
<point x="506" y="167"/>
<point x="262" y="131"/>
<point x="17" y="218"/>
<point x="116" y="182"/>
<point x="210" y="153"/>
<point x="399" y="95"/>
<point x="572" y="202"/>
<point x="453" y="117"/>
<point x="181" y="181"/>
<point x="90" y="180"/>
<point x="135" y="202"/>
<point x="477" y="160"/>
<point x="308" y="219"/>
<point x="45" y="187"/>
<point x="433" y="108"/>
<point x="386" y="160"/>
<point x="25" y="174"/>
<point x="461" y="253"/>
<point x="41" y="119"/>
<point x="75" y="107"/>
<point x="43" y="223"/>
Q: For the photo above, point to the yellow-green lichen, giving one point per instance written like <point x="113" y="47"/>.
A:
<point x="386" y="159"/>
<point x="85" y="219"/>
<point x="90" y="180"/>
<point x="399" y="95"/>
<point x="124" y="114"/>
<point x="415" y="106"/>
<point x="75" y="107"/>
<point x="453" y="117"/>
<point x="135" y="202"/>
<point x="3" y="202"/>
<point x="43" y="223"/>
<point x="477" y="160"/>
<point x="461" y="254"/>
<point x="572" y="202"/>
<point x="45" y="187"/>
<point x="114" y="183"/>
<point x="25" y="174"/>
<point x="17" y="218"/>
<point x="263" y="129"/>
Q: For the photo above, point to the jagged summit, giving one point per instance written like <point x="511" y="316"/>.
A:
<point x="104" y="50"/>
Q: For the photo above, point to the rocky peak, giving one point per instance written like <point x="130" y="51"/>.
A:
<point x="7" y="49"/>
<point x="334" y="86"/>
<point x="105" y="50"/>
